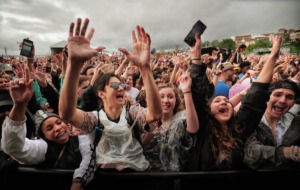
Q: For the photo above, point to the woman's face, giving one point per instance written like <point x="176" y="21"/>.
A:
<point x="221" y="109"/>
<point x="168" y="100"/>
<point x="275" y="77"/>
<point x="4" y="83"/>
<point x="90" y="73"/>
<point x="129" y="82"/>
<point x="82" y="87"/>
<point x="56" y="130"/>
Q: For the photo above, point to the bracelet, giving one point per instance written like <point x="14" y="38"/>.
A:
<point x="296" y="153"/>
<point x="293" y="157"/>
<point x="77" y="180"/>
<point x="191" y="62"/>
<point x="186" y="92"/>
<point x="147" y="128"/>
<point x="291" y="153"/>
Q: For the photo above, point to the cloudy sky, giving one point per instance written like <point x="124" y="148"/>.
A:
<point x="46" y="22"/>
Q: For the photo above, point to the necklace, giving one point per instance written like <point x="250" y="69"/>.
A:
<point x="166" y="125"/>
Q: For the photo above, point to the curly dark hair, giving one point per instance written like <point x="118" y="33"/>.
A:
<point x="224" y="141"/>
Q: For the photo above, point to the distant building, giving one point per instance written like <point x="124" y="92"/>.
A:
<point x="295" y="36"/>
<point x="284" y="34"/>
<point x="241" y="39"/>
<point x="58" y="47"/>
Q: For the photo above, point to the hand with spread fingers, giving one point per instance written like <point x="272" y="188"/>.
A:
<point x="140" y="56"/>
<point x="21" y="89"/>
<point x="102" y="69"/>
<point x="79" y="49"/>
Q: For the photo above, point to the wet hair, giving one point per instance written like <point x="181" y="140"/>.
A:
<point x="83" y="78"/>
<point x="102" y="81"/>
<point x="84" y="72"/>
<point x="141" y="98"/>
<point x="286" y="84"/>
<point x="176" y="90"/>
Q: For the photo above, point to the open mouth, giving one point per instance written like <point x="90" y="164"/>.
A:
<point x="223" y="109"/>
<point x="60" y="134"/>
<point x="280" y="108"/>
<point x="120" y="96"/>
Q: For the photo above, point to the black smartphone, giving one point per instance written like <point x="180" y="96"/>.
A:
<point x="48" y="69"/>
<point x="26" y="49"/>
<point x="199" y="28"/>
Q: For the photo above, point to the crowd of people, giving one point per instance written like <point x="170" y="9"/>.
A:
<point x="135" y="111"/>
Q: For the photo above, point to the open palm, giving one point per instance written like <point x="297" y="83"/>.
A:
<point x="140" y="56"/>
<point x="79" y="48"/>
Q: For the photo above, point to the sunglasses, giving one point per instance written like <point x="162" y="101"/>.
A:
<point x="116" y="85"/>
<point x="9" y="72"/>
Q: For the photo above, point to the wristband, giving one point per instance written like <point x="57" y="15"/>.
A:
<point x="296" y="153"/>
<point x="77" y="180"/>
<point x="147" y="128"/>
<point x="186" y="92"/>
<point x="197" y="59"/>
<point x="291" y="153"/>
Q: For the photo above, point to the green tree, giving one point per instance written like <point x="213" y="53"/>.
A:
<point x="263" y="44"/>
<point x="205" y="44"/>
<point x="227" y="43"/>
<point x="295" y="47"/>
<point x="258" y="45"/>
<point x="153" y="51"/>
<point x="215" y="43"/>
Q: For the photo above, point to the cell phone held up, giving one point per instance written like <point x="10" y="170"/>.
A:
<point x="199" y="27"/>
<point x="26" y="49"/>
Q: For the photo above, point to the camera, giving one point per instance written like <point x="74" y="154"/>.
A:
<point x="47" y="69"/>
<point x="27" y="46"/>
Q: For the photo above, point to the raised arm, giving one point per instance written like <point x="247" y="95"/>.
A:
<point x="79" y="51"/>
<point x="191" y="114"/>
<point x="200" y="83"/>
<point x="140" y="56"/>
<point x="21" y="91"/>
<point x="14" y="141"/>
<point x="122" y="66"/>
<point x="265" y="75"/>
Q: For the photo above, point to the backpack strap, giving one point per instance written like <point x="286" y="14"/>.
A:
<point x="137" y="117"/>
<point x="99" y="129"/>
<point x="132" y="123"/>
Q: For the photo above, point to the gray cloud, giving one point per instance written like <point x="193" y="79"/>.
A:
<point x="47" y="21"/>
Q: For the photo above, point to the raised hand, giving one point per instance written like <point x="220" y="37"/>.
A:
<point x="185" y="82"/>
<point x="21" y="89"/>
<point x="40" y="78"/>
<point x="276" y="40"/>
<point x="79" y="49"/>
<point x="100" y="70"/>
<point x="196" y="49"/>
<point x="18" y="70"/>
<point x="140" y="56"/>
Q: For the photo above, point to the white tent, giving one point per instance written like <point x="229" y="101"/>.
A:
<point x="57" y="48"/>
